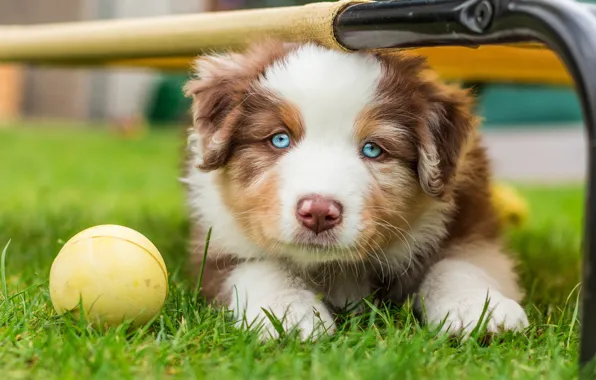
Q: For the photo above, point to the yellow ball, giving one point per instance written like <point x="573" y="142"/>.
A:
<point x="115" y="272"/>
<point x="510" y="205"/>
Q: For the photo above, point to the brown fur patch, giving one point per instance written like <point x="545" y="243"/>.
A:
<point x="225" y="83"/>
<point x="398" y="142"/>
<point x="438" y="116"/>
<point x="391" y="209"/>
<point x="257" y="209"/>
<point x="251" y="151"/>
<point x="474" y="217"/>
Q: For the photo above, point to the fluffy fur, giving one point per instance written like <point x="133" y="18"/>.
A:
<point x="417" y="220"/>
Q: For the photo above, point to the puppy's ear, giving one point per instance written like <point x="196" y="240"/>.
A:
<point x="443" y="136"/>
<point x="219" y="85"/>
<point x="219" y="89"/>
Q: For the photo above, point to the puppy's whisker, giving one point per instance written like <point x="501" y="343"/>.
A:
<point x="405" y="241"/>
<point x="389" y="212"/>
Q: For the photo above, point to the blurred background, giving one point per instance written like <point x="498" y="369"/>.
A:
<point x="534" y="133"/>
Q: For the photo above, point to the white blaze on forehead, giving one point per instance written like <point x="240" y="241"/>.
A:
<point x="330" y="89"/>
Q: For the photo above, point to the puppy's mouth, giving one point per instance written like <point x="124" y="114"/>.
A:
<point x="306" y="247"/>
<point x="322" y="240"/>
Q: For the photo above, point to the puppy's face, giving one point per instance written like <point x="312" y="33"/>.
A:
<point x="321" y="155"/>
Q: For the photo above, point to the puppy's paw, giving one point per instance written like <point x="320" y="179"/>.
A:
<point x="463" y="312"/>
<point x="295" y="309"/>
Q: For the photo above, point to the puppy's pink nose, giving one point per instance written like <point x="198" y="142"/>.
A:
<point x="318" y="213"/>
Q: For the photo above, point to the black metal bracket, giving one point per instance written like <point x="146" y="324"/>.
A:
<point x="565" y="26"/>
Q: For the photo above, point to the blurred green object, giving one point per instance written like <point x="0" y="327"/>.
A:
<point x="511" y="105"/>
<point x="167" y="104"/>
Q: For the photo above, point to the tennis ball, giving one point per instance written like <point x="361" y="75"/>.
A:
<point x="114" y="272"/>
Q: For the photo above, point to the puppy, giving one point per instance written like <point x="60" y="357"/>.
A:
<point x="327" y="177"/>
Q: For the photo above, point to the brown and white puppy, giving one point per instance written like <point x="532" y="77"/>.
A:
<point x="329" y="176"/>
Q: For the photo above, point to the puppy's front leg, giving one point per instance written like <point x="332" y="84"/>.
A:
<point x="266" y="285"/>
<point x="456" y="290"/>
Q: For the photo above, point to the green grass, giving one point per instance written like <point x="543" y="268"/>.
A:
<point x="54" y="183"/>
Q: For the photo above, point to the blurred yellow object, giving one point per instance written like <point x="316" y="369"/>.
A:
<point x="115" y="272"/>
<point x="512" y="208"/>
<point x="489" y="64"/>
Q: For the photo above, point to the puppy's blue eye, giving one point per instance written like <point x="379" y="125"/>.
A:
<point x="371" y="150"/>
<point x="280" y="140"/>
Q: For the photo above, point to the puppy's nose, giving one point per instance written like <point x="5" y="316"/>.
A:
<point x="318" y="213"/>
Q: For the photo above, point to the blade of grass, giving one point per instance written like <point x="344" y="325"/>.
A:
<point x="277" y="324"/>
<point x="3" y="271"/>
<point x="26" y="290"/>
<point x="574" y="317"/>
<point x="200" y="281"/>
